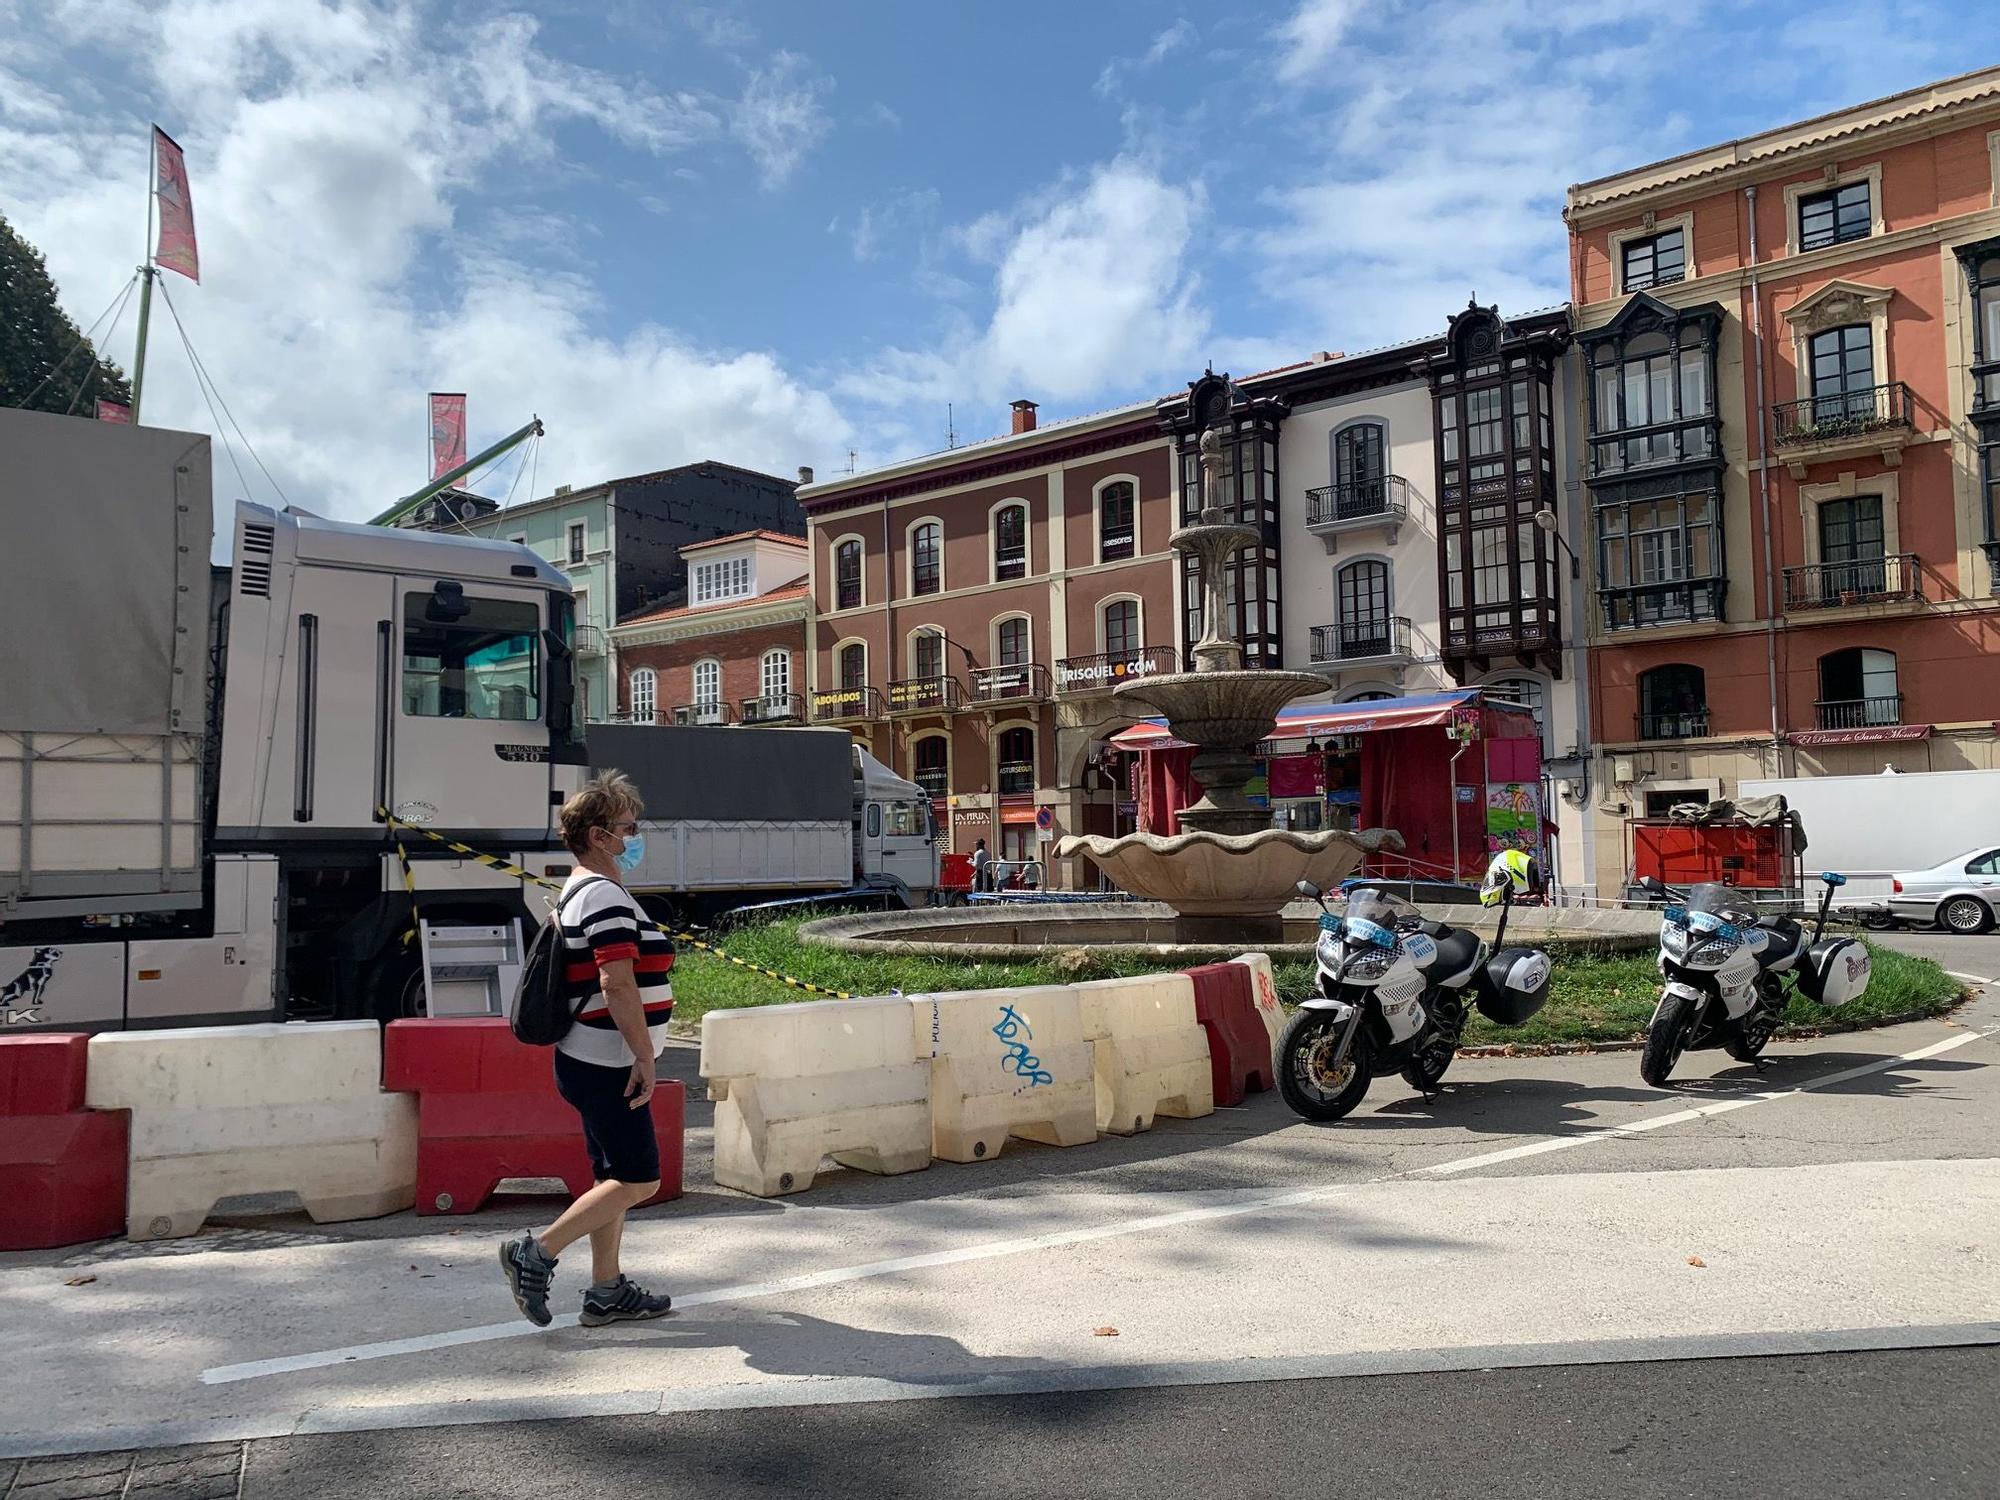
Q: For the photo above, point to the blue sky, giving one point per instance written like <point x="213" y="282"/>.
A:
<point x="773" y="233"/>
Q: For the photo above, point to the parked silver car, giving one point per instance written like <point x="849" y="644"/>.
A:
<point x="1960" y="895"/>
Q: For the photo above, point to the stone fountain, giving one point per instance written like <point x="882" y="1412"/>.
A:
<point x="1228" y="878"/>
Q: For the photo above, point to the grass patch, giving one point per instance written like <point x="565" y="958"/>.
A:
<point x="1592" y="997"/>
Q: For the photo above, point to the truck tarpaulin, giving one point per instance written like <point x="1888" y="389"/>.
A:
<point x="106" y="576"/>
<point x="732" y="774"/>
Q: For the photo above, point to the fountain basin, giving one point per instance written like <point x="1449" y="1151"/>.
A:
<point x="1230" y="710"/>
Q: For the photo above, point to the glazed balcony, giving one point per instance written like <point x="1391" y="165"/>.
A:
<point x="1360" y="505"/>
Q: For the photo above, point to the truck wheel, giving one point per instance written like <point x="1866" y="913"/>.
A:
<point x="396" y="988"/>
<point x="1964" y="914"/>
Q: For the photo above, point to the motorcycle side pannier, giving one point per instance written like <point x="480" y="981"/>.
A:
<point x="1835" y="971"/>
<point x="1512" y="986"/>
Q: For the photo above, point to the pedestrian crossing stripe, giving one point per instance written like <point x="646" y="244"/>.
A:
<point x="398" y="827"/>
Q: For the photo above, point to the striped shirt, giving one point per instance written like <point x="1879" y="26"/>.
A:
<point x="600" y="925"/>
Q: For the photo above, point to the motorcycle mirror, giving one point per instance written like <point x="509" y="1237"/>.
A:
<point x="1654" y="884"/>
<point x="1307" y="889"/>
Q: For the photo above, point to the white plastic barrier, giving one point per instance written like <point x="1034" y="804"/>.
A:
<point x="219" y="1111"/>
<point x="1151" y="1052"/>
<point x="794" y="1084"/>
<point x="1264" y="991"/>
<point x="1011" y="1062"/>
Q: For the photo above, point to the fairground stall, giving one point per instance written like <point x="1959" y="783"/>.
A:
<point x="1459" y="775"/>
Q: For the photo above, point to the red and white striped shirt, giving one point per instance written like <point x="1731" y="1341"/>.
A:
<point x="600" y="925"/>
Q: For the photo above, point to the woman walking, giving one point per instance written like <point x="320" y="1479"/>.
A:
<point x="617" y="975"/>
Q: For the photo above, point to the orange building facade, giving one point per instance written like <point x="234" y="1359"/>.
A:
<point x="1789" y="401"/>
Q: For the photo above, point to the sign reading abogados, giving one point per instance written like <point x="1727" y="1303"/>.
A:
<point x="838" y="703"/>
<point x="1105" y="671"/>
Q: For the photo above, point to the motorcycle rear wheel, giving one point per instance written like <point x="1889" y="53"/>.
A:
<point x="1666" y="1040"/>
<point x="1307" y="1083"/>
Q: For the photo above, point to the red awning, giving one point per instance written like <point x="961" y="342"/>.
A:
<point x="1299" y="723"/>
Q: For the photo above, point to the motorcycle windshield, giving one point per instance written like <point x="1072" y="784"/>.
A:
<point x="1722" y="901"/>
<point x="1370" y="905"/>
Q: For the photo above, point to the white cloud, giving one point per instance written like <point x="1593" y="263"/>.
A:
<point x="903" y="220"/>
<point x="782" y="116"/>
<point x="336" y="153"/>
<point x="1311" y="33"/>
<point x="1164" y="43"/>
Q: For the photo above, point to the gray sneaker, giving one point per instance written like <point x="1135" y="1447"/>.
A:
<point x="625" y="1301"/>
<point x="528" y="1269"/>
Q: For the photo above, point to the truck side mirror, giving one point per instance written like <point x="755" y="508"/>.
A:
<point x="557" y="647"/>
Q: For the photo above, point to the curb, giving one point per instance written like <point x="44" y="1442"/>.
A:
<point x="1783" y="1034"/>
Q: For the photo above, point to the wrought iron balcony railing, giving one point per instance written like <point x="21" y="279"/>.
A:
<point x="846" y="705"/>
<point x="1349" y="641"/>
<point x="1690" y="724"/>
<point x="1076" y="675"/>
<point x="1025" y="683"/>
<point x="717" y="712"/>
<point x="589" y="640"/>
<point x="774" y="708"/>
<point x="1358" y="501"/>
<point x="1869" y="580"/>
<point x="1841" y="415"/>
<point x="925" y="695"/>
<point x="1858" y="713"/>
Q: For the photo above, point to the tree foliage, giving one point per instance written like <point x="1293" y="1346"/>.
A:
<point x="46" y="364"/>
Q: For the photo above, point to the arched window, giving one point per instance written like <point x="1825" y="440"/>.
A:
<point x="774" y="675"/>
<point x="708" y="692"/>
<point x="1530" y="692"/>
<point x="1843" y="377"/>
<point x="1010" y="542"/>
<point x="645" y="695"/>
<point x="927" y="654"/>
<point x="1359" y="466"/>
<point x="926" y="558"/>
<point x="1117" y="529"/>
<point x="1673" y="702"/>
<point x="853" y="667"/>
<point x="1368" y="695"/>
<point x="1010" y="643"/>
<point x="847" y="574"/>
<point x="1857" y="688"/>
<point x="1362" y="592"/>
<point x="1017" y="761"/>
<point x="1121" y="629"/>
<point x="930" y="765"/>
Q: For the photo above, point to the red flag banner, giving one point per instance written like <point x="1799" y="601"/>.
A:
<point x="113" y="411"/>
<point x="447" y="432"/>
<point x="176" y="248"/>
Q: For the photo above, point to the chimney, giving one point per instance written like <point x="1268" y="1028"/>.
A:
<point x="1024" y="416"/>
<point x="805" y="475"/>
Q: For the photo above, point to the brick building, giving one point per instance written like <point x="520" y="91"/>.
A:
<point x="973" y="609"/>
<point x="736" y="653"/>
<point x="1791" y="432"/>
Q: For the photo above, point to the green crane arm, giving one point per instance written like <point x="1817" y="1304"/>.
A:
<point x="410" y="502"/>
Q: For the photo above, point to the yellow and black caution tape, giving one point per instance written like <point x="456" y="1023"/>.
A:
<point x="491" y="861"/>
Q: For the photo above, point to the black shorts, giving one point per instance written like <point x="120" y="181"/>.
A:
<point x="622" y="1145"/>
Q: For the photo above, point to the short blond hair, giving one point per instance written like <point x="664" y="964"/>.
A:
<point x="608" y="797"/>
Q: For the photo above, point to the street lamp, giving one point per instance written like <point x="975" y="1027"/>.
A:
<point x="1546" y="519"/>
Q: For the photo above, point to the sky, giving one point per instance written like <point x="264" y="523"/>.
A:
<point x="794" y="232"/>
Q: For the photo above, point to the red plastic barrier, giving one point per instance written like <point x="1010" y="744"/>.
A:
<point x="62" y="1167"/>
<point x="1239" y="1048"/>
<point x="488" y="1110"/>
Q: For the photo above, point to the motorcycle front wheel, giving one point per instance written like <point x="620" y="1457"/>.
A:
<point x="1307" y="1078"/>
<point x="1666" y="1040"/>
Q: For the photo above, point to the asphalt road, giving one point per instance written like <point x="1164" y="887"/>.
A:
<point x="1871" y="1426"/>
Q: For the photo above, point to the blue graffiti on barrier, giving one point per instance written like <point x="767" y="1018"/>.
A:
<point x="1015" y="1034"/>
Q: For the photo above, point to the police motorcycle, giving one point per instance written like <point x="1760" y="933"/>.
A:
<point x="1391" y="992"/>
<point x="1725" y="970"/>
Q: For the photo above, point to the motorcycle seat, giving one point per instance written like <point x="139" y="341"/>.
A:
<point x="1787" y="939"/>
<point x="1458" y="951"/>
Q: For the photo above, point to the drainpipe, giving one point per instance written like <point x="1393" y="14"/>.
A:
<point x="1764" y="489"/>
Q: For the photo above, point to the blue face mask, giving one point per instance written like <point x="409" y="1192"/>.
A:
<point x="628" y="859"/>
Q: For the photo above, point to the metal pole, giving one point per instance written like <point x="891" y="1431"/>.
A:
<point x="146" y="271"/>
<point x="411" y="501"/>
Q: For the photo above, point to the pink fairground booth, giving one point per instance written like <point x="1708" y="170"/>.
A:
<point x="1386" y="763"/>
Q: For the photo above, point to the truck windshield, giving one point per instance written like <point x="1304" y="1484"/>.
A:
<point x="483" y="665"/>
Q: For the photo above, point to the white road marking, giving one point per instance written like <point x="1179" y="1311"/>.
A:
<point x="834" y="1276"/>
<point x="1976" y="979"/>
